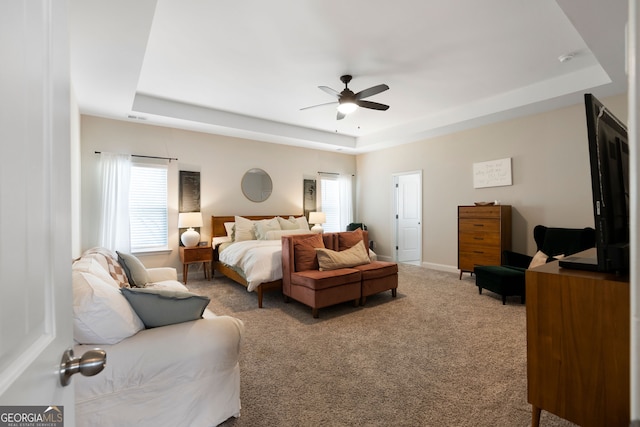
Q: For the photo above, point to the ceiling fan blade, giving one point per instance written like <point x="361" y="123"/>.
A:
<point x="330" y="91"/>
<point x="372" y="105"/>
<point x="371" y="91"/>
<point x="320" y="105"/>
<point x="340" y="116"/>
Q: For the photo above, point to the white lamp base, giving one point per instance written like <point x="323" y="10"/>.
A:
<point x="190" y="238"/>
<point x="317" y="229"/>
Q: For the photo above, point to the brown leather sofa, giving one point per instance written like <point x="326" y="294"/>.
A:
<point x="304" y="281"/>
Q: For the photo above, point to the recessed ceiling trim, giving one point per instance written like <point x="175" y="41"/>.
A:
<point x="257" y="128"/>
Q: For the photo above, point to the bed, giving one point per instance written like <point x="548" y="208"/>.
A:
<point x="271" y="249"/>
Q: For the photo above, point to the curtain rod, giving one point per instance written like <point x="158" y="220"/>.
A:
<point x="334" y="173"/>
<point x="146" y="157"/>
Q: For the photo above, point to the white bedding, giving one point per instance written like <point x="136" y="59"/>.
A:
<point x="260" y="260"/>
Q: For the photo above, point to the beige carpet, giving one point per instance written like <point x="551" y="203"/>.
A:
<point x="437" y="355"/>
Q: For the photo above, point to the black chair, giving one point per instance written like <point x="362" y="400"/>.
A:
<point x="508" y="279"/>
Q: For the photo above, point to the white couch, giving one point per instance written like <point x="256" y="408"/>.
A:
<point x="183" y="374"/>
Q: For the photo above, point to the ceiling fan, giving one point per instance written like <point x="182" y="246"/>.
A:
<point x="348" y="101"/>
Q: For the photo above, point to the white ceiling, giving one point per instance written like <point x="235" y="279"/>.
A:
<point x="246" y="68"/>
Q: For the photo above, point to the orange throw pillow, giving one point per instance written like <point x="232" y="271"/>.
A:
<point x="305" y="252"/>
<point x="348" y="239"/>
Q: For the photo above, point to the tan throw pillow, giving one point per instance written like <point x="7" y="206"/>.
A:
<point x="540" y="258"/>
<point x="305" y="252"/>
<point x="262" y="227"/>
<point x="332" y="260"/>
<point x="288" y="224"/>
<point x="348" y="239"/>
<point x="243" y="229"/>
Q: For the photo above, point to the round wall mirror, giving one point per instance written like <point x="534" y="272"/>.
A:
<point x="256" y="185"/>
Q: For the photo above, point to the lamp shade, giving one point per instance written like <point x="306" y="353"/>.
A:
<point x="191" y="237"/>
<point x="317" y="218"/>
<point x="189" y="219"/>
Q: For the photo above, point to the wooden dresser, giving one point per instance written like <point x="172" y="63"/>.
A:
<point x="483" y="233"/>
<point x="578" y="325"/>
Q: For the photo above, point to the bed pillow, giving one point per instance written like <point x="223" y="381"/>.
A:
<point x="333" y="260"/>
<point x="262" y="227"/>
<point x="348" y="239"/>
<point x="288" y="224"/>
<point x="301" y="221"/>
<point x="134" y="269"/>
<point x="160" y="307"/>
<point x="101" y="315"/>
<point x="243" y="230"/>
<point x="228" y="226"/>
<point x="305" y="252"/>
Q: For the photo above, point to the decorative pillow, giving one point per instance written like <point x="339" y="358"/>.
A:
<point x="109" y="260"/>
<point x="332" y="260"/>
<point x="101" y="315"/>
<point x="160" y="307"/>
<point x="243" y="230"/>
<point x="91" y="265"/>
<point x="228" y="226"/>
<point x="288" y="224"/>
<point x="135" y="270"/>
<point x="540" y="258"/>
<point x="264" y="226"/>
<point x="277" y="234"/>
<point x="305" y="252"/>
<point x="348" y="239"/>
<point x="301" y="221"/>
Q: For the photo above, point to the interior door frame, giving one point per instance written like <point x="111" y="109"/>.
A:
<point x="394" y="211"/>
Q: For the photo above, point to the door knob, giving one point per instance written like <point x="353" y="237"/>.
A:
<point x="91" y="363"/>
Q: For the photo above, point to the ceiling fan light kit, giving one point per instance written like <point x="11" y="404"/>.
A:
<point x="348" y="101"/>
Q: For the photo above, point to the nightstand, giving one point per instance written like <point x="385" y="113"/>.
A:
<point x="193" y="255"/>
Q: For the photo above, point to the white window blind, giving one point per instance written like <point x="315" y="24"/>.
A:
<point x="330" y="203"/>
<point x="148" y="217"/>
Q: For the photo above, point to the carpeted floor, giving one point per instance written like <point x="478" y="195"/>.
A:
<point x="437" y="355"/>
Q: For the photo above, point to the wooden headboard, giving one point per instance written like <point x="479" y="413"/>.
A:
<point x="217" y="222"/>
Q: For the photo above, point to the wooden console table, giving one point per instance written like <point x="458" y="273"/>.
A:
<point x="578" y="325"/>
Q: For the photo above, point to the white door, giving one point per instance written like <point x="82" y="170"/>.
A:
<point x="409" y="217"/>
<point x="35" y="204"/>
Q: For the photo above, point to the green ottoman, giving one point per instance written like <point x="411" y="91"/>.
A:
<point x="502" y="280"/>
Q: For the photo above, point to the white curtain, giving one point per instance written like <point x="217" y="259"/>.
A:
<point x="345" y="183"/>
<point x="115" y="171"/>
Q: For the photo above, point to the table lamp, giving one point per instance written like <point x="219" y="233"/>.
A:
<point x="317" y="218"/>
<point x="191" y="237"/>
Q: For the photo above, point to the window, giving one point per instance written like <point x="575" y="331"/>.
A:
<point x="148" y="217"/>
<point x="330" y="203"/>
<point x="336" y="201"/>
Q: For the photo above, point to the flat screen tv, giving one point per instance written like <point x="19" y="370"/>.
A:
<point x="609" y="159"/>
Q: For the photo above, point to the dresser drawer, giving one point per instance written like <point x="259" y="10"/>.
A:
<point x="469" y="259"/>
<point x="479" y="211"/>
<point x="474" y="226"/>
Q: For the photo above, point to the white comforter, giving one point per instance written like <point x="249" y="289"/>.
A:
<point x="260" y="260"/>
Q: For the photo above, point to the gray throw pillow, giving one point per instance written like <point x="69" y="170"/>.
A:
<point x="160" y="307"/>
<point x="134" y="269"/>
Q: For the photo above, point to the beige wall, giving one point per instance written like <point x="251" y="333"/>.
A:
<point x="221" y="162"/>
<point x="550" y="169"/>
